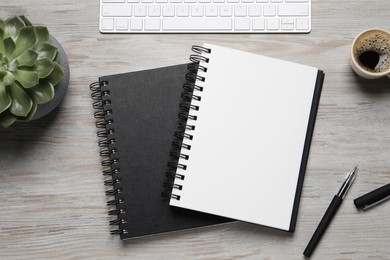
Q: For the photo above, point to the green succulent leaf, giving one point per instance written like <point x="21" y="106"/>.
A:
<point x="21" y="102"/>
<point x="46" y="50"/>
<point x="44" y="67"/>
<point x="57" y="58"/>
<point x="26" y="78"/>
<point x="9" y="47"/>
<point x="13" y="26"/>
<point x="31" y="114"/>
<point x="8" y="79"/>
<point x="7" y="119"/>
<point x="42" y="93"/>
<point x="2" y="47"/>
<point x="2" y="25"/>
<point x="13" y="65"/>
<point x="26" y="40"/>
<point x="5" y="100"/>
<point x="25" y="20"/>
<point x="42" y="34"/>
<point x="28" y="58"/>
<point x="56" y="75"/>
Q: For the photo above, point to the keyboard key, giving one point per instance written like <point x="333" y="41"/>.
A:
<point x="168" y="10"/>
<point x="269" y="10"/>
<point x="122" y="24"/>
<point x="140" y="10"/>
<point x="116" y="10"/>
<point x="287" y="20"/>
<point x="182" y="10"/>
<point x="240" y="10"/>
<point x="197" y="10"/>
<point x="242" y="24"/>
<point x="293" y="10"/>
<point x="211" y="10"/>
<point x="152" y="24"/>
<point x="107" y="24"/>
<point x="113" y="1"/>
<point x="136" y="24"/>
<point x="273" y="24"/>
<point x="197" y="24"/>
<point x="302" y="24"/>
<point x="254" y="10"/>
<point x="258" y="24"/>
<point x="287" y="26"/>
<point x="154" y="10"/>
<point x="225" y="10"/>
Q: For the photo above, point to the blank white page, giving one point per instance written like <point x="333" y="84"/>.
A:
<point x="249" y="137"/>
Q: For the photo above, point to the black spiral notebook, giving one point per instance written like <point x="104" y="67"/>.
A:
<point x="137" y="114"/>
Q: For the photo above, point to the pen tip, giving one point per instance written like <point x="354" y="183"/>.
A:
<point x="353" y="174"/>
<point x="347" y="183"/>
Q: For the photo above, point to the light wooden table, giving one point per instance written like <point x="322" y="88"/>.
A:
<point x="52" y="202"/>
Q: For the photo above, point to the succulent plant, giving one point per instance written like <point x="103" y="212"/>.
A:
<point x="29" y="69"/>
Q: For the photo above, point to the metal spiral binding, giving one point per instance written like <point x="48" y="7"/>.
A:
<point x="109" y="153"/>
<point x="191" y="94"/>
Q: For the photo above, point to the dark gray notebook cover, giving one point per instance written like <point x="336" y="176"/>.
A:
<point x="139" y="115"/>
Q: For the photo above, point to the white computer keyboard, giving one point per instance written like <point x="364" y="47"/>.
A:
<point x="205" y="16"/>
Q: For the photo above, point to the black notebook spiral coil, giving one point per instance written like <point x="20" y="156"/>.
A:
<point x="109" y="153"/>
<point x="181" y="145"/>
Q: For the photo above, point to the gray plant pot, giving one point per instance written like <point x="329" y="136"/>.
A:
<point x="60" y="88"/>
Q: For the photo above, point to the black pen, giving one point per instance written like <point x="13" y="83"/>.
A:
<point x="330" y="212"/>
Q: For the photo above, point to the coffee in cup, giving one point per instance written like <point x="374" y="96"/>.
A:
<point x="370" y="54"/>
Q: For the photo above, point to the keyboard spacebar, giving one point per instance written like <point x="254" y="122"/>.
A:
<point x="196" y="24"/>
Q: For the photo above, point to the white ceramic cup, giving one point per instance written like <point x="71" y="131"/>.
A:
<point x="372" y="40"/>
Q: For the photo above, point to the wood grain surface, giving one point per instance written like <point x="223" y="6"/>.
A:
<point x="52" y="203"/>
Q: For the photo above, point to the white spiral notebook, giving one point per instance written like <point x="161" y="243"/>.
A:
<point x="245" y="134"/>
